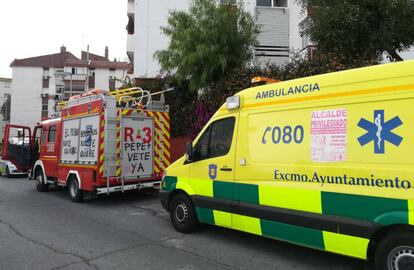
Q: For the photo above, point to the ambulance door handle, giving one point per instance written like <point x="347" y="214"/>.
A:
<point x="226" y="169"/>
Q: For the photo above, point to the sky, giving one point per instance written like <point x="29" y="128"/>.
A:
<point x="37" y="27"/>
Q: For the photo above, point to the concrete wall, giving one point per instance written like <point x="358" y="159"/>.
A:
<point x="296" y="16"/>
<point x="119" y="74"/>
<point x="102" y="79"/>
<point x="150" y="15"/>
<point x="26" y="102"/>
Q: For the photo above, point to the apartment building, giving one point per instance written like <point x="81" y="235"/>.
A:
<point x="40" y="82"/>
<point x="278" y="39"/>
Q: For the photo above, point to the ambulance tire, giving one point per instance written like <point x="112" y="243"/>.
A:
<point x="75" y="193"/>
<point x="41" y="186"/>
<point x="182" y="214"/>
<point x="395" y="251"/>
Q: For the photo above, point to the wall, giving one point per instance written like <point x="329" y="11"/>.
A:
<point x="296" y="16"/>
<point x="102" y="79"/>
<point x="408" y="54"/>
<point x="26" y="100"/>
<point x="119" y="74"/>
<point x="149" y="16"/>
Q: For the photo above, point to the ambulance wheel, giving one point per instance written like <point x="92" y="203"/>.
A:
<point x="395" y="252"/>
<point x="182" y="214"/>
<point x="75" y="193"/>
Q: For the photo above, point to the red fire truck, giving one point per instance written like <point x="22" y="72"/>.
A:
<point x="102" y="143"/>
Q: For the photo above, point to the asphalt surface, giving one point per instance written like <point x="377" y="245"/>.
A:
<point x="130" y="231"/>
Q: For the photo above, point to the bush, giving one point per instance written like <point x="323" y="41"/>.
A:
<point x="182" y="102"/>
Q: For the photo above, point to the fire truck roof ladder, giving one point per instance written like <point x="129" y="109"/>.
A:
<point x="143" y="100"/>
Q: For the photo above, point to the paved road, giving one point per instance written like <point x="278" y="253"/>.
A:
<point x="130" y="231"/>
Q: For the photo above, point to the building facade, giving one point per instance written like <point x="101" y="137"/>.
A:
<point x="278" y="39"/>
<point x="5" y="91"/>
<point x="40" y="82"/>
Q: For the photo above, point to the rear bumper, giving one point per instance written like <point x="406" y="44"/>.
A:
<point x="163" y="195"/>
<point x="135" y="186"/>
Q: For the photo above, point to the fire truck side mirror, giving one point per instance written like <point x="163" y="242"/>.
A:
<point x="189" y="155"/>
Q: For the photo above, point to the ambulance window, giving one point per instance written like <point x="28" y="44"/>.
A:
<point x="52" y="134"/>
<point x="216" y="140"/>
<point x="202" y="145"/>
<point x="221" y="137"/>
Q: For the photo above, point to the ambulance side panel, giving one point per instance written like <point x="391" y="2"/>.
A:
<point x="323" y="176"/>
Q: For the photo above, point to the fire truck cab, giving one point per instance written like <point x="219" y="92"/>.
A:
<point x="102" y="143"/>
<point x="16" y="156"/>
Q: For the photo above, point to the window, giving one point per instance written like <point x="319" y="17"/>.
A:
<point x="271" y="3"/>
<point x="227" y="2"/>
<point x="216" y="140"/>
<point x="44" y="132"/>
<point x="202" y="145"/>
<point x="280" y="3"/>
<point x="112" y="84"/>
<point x="264" y="3"/>
<point x="45" y="82"/>
<point x="45" y="106"/>
<point x="60" y="89"/>
<point x="52" y="134"/>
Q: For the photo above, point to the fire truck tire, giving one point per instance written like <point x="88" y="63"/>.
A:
<point x="182" y="214"/>
<point x="8" y="175"/>
<point x="75" y="193"/>
<point x="40" y="183"/>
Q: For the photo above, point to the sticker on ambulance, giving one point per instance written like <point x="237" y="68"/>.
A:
<point x="328" y="135"/>
<point x="212" y="171"/>
<point x="379" y="131"/>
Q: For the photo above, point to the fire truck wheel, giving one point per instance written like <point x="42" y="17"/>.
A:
<point x="40" y="183"/>
<point x="8" y="175"/>
<point x="182" y="214"/>
<point x="75" y="193"/>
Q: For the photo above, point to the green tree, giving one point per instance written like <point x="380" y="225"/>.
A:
<point x="5" y="109"/>
<point x="207" y="42"/>
<point x="361" y="29"/>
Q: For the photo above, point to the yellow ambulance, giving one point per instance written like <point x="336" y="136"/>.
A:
<point x="325" y="162"/>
